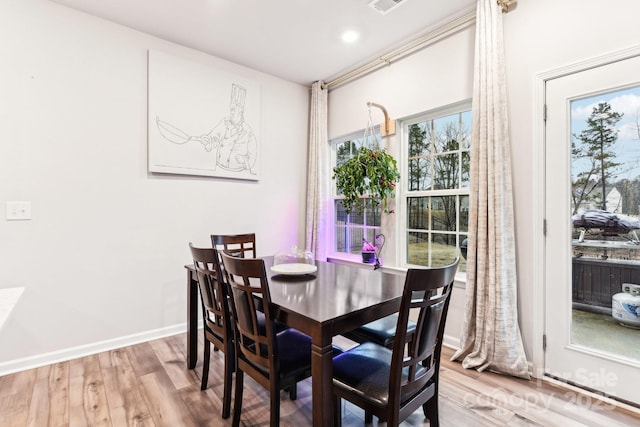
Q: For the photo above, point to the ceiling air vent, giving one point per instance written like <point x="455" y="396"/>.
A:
<point x="385" y="6"/>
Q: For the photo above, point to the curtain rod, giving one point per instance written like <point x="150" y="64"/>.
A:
<point x="506" y="4"/>
<point x="440" y="33"/>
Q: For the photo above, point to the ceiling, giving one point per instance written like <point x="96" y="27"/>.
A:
<point x="297" y="40"/>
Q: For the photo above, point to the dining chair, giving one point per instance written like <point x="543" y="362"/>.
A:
<point x="392" y="383"/>
<point x="244" y="246"/>
<point x="216" y="318"/>
<point x="276" y="360"/>
<point x="239" y="245"/>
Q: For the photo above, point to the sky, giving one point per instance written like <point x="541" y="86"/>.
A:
<point x="627" y="147"/>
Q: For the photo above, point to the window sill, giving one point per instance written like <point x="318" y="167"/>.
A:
<point x="355" y="260"/>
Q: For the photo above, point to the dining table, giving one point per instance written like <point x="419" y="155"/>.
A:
<point x="333" y="300"/>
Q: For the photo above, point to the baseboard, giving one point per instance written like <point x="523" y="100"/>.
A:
<point x="31" y="362"/>
<point x="451" y="342"/>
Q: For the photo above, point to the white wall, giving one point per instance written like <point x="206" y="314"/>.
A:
<point x="102" y="259"/>
<point x="427" y="80"/>
<point x="540" y="36"/>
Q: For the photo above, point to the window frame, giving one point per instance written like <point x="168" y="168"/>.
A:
<point x="403" y="193"/>
<point x="394" y="226"/>
<point x="334" y="143"/>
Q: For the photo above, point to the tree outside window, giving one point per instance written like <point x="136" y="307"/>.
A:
<point x="437" y="187"/>
<point x="605" y="169"/>
<point x="592" y="151"/>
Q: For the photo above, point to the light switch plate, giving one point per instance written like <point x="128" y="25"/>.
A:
<point x="19" y="211"/>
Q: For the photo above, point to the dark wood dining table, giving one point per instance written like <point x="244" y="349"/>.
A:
<point x="336" y="299"/>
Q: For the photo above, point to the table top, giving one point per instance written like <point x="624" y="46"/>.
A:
<point x="336" y="298"/>
<point x="337" y="291"/>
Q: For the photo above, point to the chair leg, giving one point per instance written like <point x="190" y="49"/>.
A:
<point x="368" y="417"/>
<point x="293" y="392"/>
<point x="337" y="411"/>
<point x="226" y="394"/>
<point x="275" y="407"/>
<point x="237" y="402"/>
<point x="205" y="365"/>
<point x="430" y="409"/>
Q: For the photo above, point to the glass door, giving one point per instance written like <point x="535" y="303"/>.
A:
<point x="592" y="210"/>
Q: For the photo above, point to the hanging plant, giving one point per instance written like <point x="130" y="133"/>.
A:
<point x="372" y="173"/>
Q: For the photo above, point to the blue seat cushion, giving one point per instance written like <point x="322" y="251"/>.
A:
<point x="365" y="371"/>
<point x="294" y="353"/>
<point x="381" y="331"/>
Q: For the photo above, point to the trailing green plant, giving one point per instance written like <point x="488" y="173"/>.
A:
<point x="370" y="173"/>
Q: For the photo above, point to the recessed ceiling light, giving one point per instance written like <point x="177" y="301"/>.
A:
<point x="350" y="36"/>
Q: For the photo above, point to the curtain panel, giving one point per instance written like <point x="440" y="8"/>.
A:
<point x="318" y="163"/>
<point x="490" y="337"/>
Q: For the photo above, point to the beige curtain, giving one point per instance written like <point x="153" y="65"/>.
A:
<point x="318" y="155"/>
<point x="490" y="338"/>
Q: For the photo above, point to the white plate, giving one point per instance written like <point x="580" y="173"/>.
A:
<point x="294" y="269"/>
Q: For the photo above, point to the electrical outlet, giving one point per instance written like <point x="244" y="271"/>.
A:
<point x="18" y="211"/>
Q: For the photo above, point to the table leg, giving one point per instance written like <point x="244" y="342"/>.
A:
<point x="192" y="319"/>
<point x="322" y="383"/>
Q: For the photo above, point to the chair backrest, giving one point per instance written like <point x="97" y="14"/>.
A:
<point x="416" y="358"/>
<point x="213" y="291"/>
<point x="239" y="245"/>
<point x="249" y="290"/>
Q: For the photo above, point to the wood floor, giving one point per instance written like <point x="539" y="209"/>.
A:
<point x="149" y="385"/>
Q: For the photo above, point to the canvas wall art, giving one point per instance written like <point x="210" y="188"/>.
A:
<point x="202" y="120"/>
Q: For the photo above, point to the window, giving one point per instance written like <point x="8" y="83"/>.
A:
<point x="350" y="229"/>
<point x="436" y="185"/>
<point x="432" y="221"/>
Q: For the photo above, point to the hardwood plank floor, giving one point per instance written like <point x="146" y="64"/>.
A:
<point x="149" y="385"/>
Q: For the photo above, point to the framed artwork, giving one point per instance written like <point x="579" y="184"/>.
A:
<point x="201" y="120"/>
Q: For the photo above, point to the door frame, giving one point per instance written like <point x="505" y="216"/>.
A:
<point x="539" y="241"/>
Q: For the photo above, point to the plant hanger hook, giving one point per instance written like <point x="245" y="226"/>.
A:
<point x="389" y="125"/>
